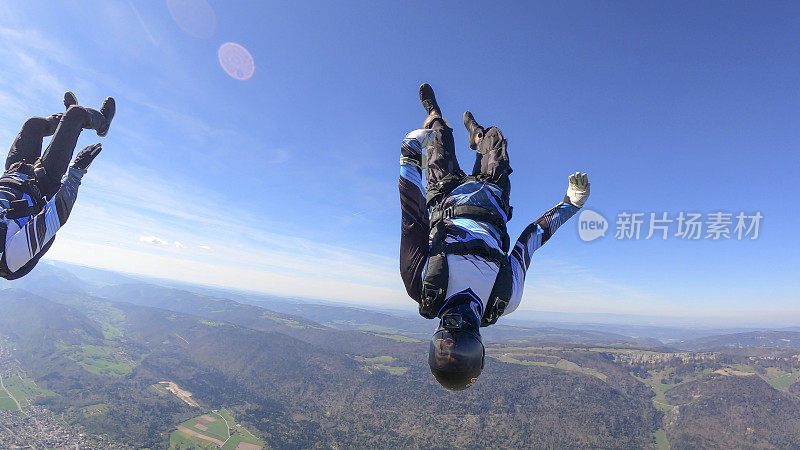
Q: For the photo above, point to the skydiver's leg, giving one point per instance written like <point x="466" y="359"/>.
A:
<point x="414" y="225"/>
<point x="491" y="160"/>
<point x="441" y="157"/>
<point x="58" y="154"/>
<point x="27" y="147"/>
<point x="442" y="165"/>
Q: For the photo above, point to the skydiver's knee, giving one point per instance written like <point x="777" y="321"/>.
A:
<point x="33" y="125"/>
<point x="493" y="133"/>
<point x="75" y="113"/>
<point x="416" y="141"/>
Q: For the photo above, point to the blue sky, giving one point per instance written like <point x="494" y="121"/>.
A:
<point x="287" y="182"/>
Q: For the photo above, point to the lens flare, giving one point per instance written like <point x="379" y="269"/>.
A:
<point x="195" y="17"/>
<point x="236" y="61"/>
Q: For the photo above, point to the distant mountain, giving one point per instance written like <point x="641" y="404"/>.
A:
<point x="203" y="305"/>
<point x="351" y="318"/>
<point x="60" y="277"/>
<point x="94" y="278"/>
<point x="39" y="322"/>
<point x="354" y="342"/>
<point x="47" y="279"/>
<point x="781" y="339"/>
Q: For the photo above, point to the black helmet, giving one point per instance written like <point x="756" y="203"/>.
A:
<point x="456" y="350"/>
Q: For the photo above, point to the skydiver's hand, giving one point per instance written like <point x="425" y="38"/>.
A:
<point x="86" y="156"/>
<point x="578" y="189"/>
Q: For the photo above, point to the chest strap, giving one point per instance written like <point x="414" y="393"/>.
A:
<point x="437" y="277"/>
<point x="473" y="212"/>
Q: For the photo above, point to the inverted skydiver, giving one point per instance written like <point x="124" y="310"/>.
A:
<point x="454" y="246"/>
<point x="37" y="191"/>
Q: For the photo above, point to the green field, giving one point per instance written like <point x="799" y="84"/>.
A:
<point x="226" y="415"/>
<point x="220" y="426"/>
<point x="288" y="322"/>
<point x="217" y="429"/>
<point x="779" y="379"/>
<point x="95" y="410"/>
<point x="384" y="363"/>
<point x="101" y="360"/>
<point x="352" y="324"/>
<point x="653" y="381"/>
<point x="661" y="440"/>
<point x="6" y="403"/>
<point x="397" y="337"/>
<point x="520" y="356"/>
<point x="240" y="436"/>
<point x="24" y="390"/>
<point x="109" y="317"/>
<point x="180" y="441"/>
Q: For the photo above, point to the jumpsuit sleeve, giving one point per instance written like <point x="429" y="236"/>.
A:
<point x="26" y="243"/>
<point x="415" y="225"/>
<point x="531" y="239"/>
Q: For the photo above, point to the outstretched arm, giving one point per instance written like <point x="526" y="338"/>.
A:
<point x="26" y="243"/>
<point x="415" y="226"/>
<point x="540" y="231"/>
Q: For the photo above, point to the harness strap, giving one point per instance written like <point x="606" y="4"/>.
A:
<point x="475" y="247"/>
<point x="473" y="212"/>
<point x="20" y="209"/>
<point x="468" y="211"/>
<point x="434" y="285"/>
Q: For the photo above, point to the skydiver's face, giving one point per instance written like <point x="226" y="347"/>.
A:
<point x="444" y="351"/>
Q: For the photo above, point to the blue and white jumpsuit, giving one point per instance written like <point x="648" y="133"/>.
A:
<point x="468" y="275"/>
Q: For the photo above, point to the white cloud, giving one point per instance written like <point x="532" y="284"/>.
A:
<point x="155" y="240"/>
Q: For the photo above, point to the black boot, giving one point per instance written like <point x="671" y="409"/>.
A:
<point x="70" y="99"/>
<point x="101" y="120"/>
<point x="428" y="100"/>
<point x="475" y="130"/>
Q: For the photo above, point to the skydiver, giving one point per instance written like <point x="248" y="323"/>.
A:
<point x="37" y="191"/>
<point x="454" y="246"/>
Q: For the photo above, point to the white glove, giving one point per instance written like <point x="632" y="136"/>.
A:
<point x="578" y="189"/>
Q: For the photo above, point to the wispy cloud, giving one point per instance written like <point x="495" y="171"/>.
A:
<point x="166" y="225"/>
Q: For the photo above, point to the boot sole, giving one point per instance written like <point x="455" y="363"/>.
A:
<point x="468" y="118"/>
<point x="423" y="98"/>
<point x="108" y="110"/>
<point x="70" y="99"/>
